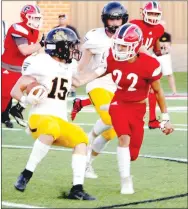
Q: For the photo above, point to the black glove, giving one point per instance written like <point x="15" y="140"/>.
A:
<point x="42" y="40"/>
<point x="16" y="112"/>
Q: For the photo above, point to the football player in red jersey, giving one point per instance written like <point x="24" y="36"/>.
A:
<point x="20" y="42"/>
<point x="152" y="31"/>
<point x="133" y="73"/>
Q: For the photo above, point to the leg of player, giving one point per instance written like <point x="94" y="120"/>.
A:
<point x="97" y="143"/>
<point x="78" y="104"/>
<point x="172" y="83"/>
<point x="123" y="130"/>
<point x="78" y="167"/>
<point x="153" y="122"/>
<point x="39" y="151"/>
<point x="94" y="150"/>
<point x="123" y="157"/>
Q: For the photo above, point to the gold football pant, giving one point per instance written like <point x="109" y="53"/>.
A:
<point x="64" y="133"/>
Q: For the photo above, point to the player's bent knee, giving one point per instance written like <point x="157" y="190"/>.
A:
<point x="124" y="140"/>
<point x="109" y="134"/>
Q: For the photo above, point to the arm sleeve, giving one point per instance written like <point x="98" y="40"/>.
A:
<point x="20" y="40"/>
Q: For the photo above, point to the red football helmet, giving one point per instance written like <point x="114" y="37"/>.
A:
<point x="31" y="15"/>
<point x="127" y="42"/>
<point x="152" y="13"/>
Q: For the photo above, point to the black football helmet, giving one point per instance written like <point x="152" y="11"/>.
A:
<point x="114" y="10"/>
<point x="63" y="43"/>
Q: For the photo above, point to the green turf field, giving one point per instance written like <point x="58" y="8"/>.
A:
<point x="153" y="178"/>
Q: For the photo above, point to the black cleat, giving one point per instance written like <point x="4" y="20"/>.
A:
<point x="8" y="124"/>
<point x="21" y="183"/>
<point x="76" y="194"/>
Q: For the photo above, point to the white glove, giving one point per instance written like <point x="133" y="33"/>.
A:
<point x="35" y="99"/>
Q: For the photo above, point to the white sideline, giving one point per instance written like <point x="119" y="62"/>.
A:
<point x="15" y="205"/>
<point x="104" y="152"/>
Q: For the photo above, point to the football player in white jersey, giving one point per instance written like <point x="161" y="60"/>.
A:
<point x="47" y="121"/>
<point x="100" y="90"/>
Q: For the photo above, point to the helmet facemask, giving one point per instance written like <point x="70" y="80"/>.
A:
<point x="65" y="50"/>
<point x="34" y="21"/>
<point x="152" y="17"/>
<point x="123" y="51"/>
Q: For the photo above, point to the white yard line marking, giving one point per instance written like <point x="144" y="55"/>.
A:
<point x="104" y="152"/>
<point x="81" y="124"/>
<point x="15" y="205"/>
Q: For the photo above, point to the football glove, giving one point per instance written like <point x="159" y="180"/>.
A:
<point x="16" y="112"/>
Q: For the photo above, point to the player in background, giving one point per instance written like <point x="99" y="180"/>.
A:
<point x="101" y="90"/>
<point x="48" y="122"/>
<point x="5" y="115"/>
<point x="133" y="73"/>
<point x="166" y="60"/>
<point x="152" y="31"/>
<point x="20" y="42"/>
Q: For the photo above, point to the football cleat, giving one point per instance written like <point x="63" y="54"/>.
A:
<point x="127" y="185"/>
<point x="78" y="194"/>
<point x="76" y="107"/>
<point x="8" y="124"/>
<point x="90" y="173"/>
<point x="153" y="124"/>
<point x="21" y="183"/>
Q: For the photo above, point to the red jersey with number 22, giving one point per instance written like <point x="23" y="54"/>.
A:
<point x="133" y="79"/>
<point x="151" y="33"/>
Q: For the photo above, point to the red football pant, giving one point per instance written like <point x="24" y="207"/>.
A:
<point x="127" y="119"/>
<point x="152" y="106"/>
<point x="9" y="78"/>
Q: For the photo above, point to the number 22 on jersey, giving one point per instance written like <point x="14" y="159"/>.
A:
<point x="59" y="89"/>
<point x="118" y="73"/>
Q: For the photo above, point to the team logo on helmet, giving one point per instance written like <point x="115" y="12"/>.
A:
<point x="27" y="8"/>
<point x="60" y="35"/>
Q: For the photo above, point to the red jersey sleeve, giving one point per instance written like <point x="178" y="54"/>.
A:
<point x="154" y="70"/>
<point x="17" y="30"/>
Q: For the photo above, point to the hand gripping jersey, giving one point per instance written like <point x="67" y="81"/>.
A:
<point x="133" y="79"/>
<point x="56" y="77"/>
<point x="150" y="32"/>
<point x="12" y="55"/>
<point x="98" y="43"/>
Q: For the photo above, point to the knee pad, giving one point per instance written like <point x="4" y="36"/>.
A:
<point x="100" y="127"/>
<point x="99" y="144"/>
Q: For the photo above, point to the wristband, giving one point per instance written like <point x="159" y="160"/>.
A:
<point x="23" y="100"/>
<point x="165" y="116"/>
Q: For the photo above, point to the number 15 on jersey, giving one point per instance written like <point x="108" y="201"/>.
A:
<point x="59" y="89"/>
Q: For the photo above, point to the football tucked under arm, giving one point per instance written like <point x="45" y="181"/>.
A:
<point x="35" y="92"/>
<point x="21" y="86"/>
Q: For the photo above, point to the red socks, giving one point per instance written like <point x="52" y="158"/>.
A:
<point x="152" y="106"/>
<point x="85" y="102"/>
